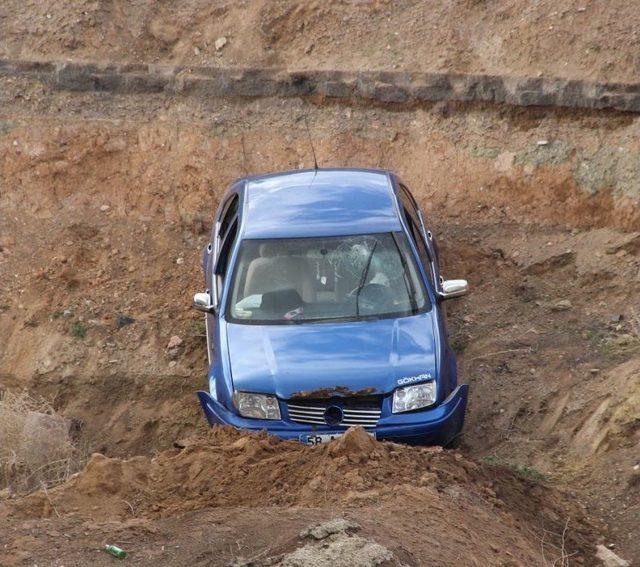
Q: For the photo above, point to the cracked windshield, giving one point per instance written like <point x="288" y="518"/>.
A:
<point x="319" y="279"/>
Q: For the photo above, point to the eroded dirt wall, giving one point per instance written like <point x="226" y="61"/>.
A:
<point x="104" y="213"/>
<point x="106" y="202"/>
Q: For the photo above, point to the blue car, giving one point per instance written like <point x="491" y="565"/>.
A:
<point x="324" y="310"/>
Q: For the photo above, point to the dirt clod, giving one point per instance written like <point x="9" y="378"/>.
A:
<point x="321" y="531"/>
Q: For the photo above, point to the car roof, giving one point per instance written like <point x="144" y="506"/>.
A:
<point x="322" y="202"/>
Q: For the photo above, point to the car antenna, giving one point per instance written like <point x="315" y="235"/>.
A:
<point x="313" y="150"/>
<point x="244" y="156"/>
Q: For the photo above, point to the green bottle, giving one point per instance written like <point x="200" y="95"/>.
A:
<point x="115" y="551"/>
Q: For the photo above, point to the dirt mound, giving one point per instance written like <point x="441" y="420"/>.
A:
<point x="227" y="468"/>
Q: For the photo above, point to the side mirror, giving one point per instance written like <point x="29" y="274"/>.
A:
<point x="453" y="288"/>
<point x="202" y="302"/>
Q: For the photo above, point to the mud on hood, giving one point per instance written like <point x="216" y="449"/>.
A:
<point x="324" y="360"/>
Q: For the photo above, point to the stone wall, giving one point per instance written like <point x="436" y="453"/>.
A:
<point x="385" y="87"/>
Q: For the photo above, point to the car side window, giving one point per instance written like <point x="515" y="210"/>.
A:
<point x="228" y="216"/>
<point x="425" y="257"/>
<point x="408" y="206"/>
<point x="225" y="252"/>
<point x="413" y="221"/>
<point x="227" y="232"/>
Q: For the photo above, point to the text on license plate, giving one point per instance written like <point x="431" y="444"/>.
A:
<point x="319" y="438"/>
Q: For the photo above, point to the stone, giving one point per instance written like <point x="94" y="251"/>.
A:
<point x="562" y="305"/>
<point x="220" y="43"/>
<point x="124" y="320"/>
<point x="547" y="260"/>
<point x="391" y="87"/>
<point x="609" y="558"/>
<point x="386" y="92"/>
<point x="324" y="530"/>
<point x="174" y="342"/>
<point x="622" y="340"/>
<point x="338" y="88"/>
<point x="340" y="549"/>
<point x="433" y="87"/>
<point x="628" y="243"/>
<point x="104" y="208"/>
<point x="504" y="162"/>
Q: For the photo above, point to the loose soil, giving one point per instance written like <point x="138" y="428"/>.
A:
<point x="419" y="491"/>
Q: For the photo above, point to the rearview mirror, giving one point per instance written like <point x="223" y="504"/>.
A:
<point x="453" y="288"/>
<point x="202" y="302"/>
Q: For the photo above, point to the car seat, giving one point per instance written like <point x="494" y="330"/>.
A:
<point x="276" y="270"/>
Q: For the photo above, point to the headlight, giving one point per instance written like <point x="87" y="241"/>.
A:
<point x="258" y="406"/>
<point x="414" y="397"/>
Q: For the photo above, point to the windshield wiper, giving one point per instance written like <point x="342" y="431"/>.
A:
<point x="408" y="282"/>
<point x="363" y="279"/>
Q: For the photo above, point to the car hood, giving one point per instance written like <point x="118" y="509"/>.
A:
<point x="325" y="359"/>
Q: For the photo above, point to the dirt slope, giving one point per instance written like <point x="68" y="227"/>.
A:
<point x="566" y="38"/>
<point x="105" y="204"/>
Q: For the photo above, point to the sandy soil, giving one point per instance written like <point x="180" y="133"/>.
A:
<point x="566" y="38"/>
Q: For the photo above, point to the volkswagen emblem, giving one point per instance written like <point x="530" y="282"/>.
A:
<point x="333" y="415"/>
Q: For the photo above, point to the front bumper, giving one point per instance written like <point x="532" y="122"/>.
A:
<point x="432" y="426"/>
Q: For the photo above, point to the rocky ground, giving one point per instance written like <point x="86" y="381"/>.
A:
<point x="106" y="202"/>
<point x="564" y="38"/>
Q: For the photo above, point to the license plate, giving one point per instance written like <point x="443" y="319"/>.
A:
<point x="319" y="438"/>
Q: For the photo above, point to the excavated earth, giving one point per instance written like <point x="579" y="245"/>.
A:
<point x="425" y="505"/>
<point x="106" y="201"/>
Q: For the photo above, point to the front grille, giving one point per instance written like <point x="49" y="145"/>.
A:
<point x="364" y="411"/>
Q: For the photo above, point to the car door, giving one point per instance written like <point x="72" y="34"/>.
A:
<point x="428" y="252"/>
<point x="422" y="238"/>
<point x="223" y="236"/>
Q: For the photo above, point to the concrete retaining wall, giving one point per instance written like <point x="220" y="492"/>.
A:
<point x="386" y="87"/>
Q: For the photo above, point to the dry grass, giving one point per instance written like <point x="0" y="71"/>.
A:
<point x="36" y="449"/>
